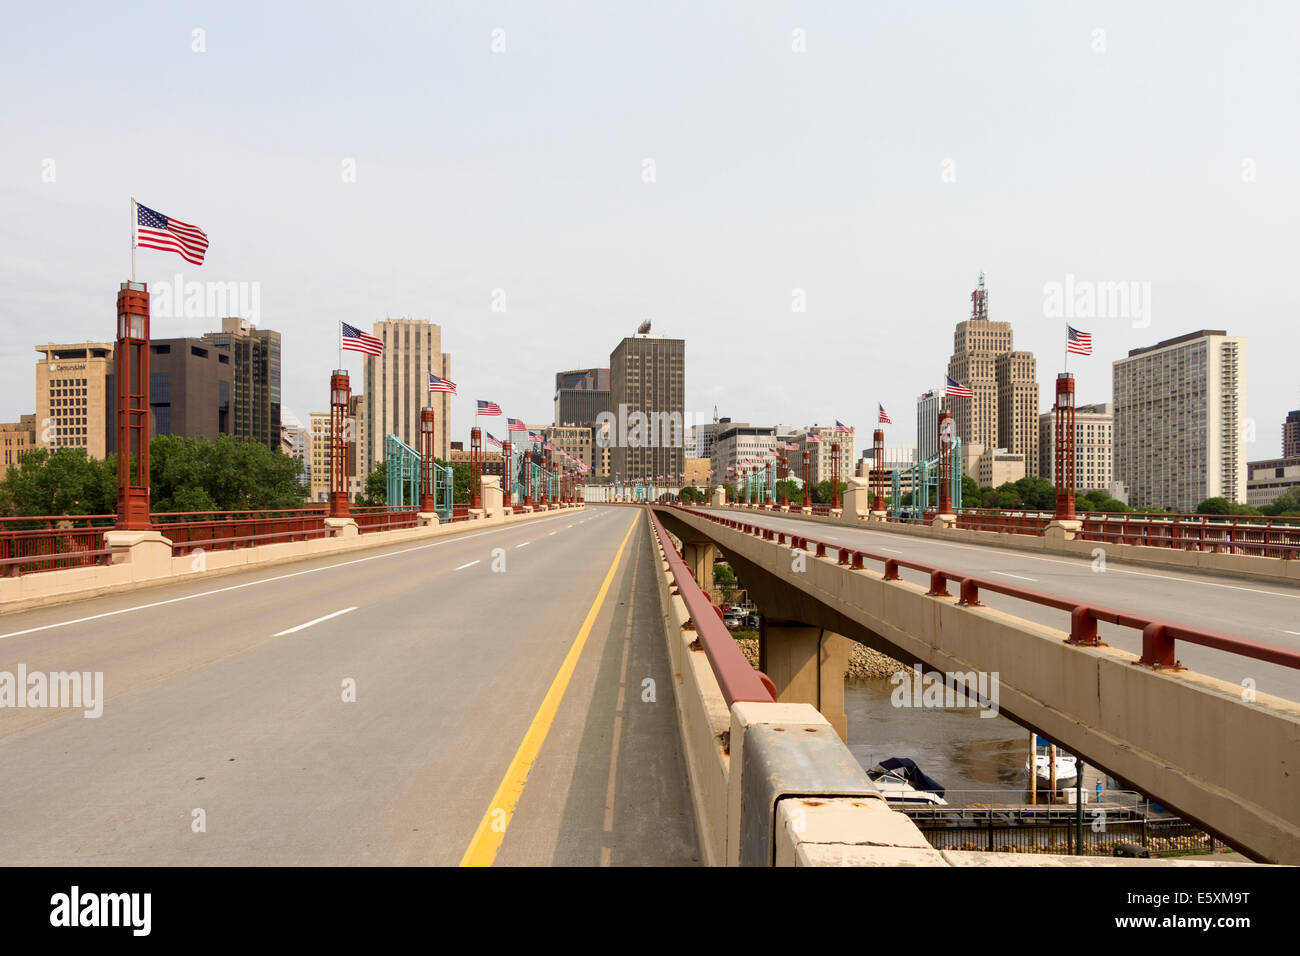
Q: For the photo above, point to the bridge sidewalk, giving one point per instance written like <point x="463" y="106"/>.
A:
<point x="609" y="787"/>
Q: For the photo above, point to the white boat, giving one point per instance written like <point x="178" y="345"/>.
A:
<point x="1067" y="766"/>
<point x="900" y="780"/>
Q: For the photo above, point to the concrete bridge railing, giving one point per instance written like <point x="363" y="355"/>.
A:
<point x="1190" y="740"/>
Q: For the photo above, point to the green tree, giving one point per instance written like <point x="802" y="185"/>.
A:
<point x="376" y="492"/>
<point x="63" y="481"/>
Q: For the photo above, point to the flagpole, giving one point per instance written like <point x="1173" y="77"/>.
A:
<point x="133" y="222"/>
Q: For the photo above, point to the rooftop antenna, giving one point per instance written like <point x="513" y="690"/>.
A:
<point x="979" y="301"/>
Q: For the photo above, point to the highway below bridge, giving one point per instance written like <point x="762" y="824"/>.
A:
<point x="1265" y="612"/>
<point x="480" y="662"/>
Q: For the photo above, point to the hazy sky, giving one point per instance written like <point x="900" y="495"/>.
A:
<point x="876" y="156"/>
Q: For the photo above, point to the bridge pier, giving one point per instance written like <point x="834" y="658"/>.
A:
<point x="807" y="665"/>
<point x="699" y="557"/>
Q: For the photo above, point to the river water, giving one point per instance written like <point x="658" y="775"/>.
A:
<point x="956" y="746"/>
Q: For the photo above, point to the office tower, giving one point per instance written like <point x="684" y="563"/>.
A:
<point x="358" y="452"/>
<point x="1003" y="411"/>
<point x="191" y="382"/>
<point x="928" y="407"/>
<point x="1179" y="407"/>
<point x="581" y="395"/>
<point x="739" y="442"/>
<point x="1094" y="446"/>
<point x="71" y="396"/>
<point x="574" y="439"/>
<point x="820" y="458"/>
<point x="647" y="375"/>
<point x="16" y="438"/>
<point x="1017" y="374"/>
<point x="256" y="399"/>
<point x="1291" y="435"/>
<point x="397" y="387"/>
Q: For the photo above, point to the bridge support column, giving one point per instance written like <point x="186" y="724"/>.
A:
<point x="807" y="665"/>
<point x="699" y="557"/>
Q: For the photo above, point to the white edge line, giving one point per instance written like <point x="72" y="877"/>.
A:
<point x="303" y="627"/>
<point x="470" y="565"/>
<point x="1008" y="574"/>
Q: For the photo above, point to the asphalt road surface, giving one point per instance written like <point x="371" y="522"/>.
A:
<point x="362" y="709"/>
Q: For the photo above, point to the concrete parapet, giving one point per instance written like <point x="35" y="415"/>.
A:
<point x="342" y="527"/>
<point x="148" y="552"/>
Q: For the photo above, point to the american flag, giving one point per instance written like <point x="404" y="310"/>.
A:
<point x="1080" y="343"/>
<point x="515" y="425"/>
<point x="956" y="389"/>
<point x="354" y="340"/>
<point x="492" y="441"/>
<point x="153" y="230"/>
<point x="536" y="437"/>
<point x="488" y="408"/>
<point x="441" y="384"/>
<point x="883" y="417"/>
<point x="792" y="446"/>
<point x="813" y="438"/>
<point x="842" y="429"/>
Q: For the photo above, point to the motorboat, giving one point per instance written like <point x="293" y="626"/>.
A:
<point x="1067" y="766"/>
<point x="900" y="780"/>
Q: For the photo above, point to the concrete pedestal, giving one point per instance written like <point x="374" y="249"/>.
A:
<point x="944" y="521"/>
<point x="878" y="516"/>
<point x="342" y="527"/>
<point x="426" y="519"/>
<point x="148" y="552"/>
<point x="1062" y="530"/>
<point x="807" y="665"/>
<point x="492" y="496"/>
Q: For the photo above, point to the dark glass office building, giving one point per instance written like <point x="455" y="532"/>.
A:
<point x="191" y="384"/>
<point x="256" y="399"/>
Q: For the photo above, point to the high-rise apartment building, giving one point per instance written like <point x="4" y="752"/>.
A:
<point x="1003" y="410"/>
<point x="397" y="387"/>
<point x="1094" y="446"/>
<point x="1179" y="408"/>
<point x="191" y="382"/>
<point x="1291" y="435"/>
<point x="581" y="395"/>
<point x="71" y="393"/>
<point x="647" y="375"/>
<point x="256" y="399"/>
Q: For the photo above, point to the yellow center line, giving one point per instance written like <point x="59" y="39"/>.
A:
<point x="482" y="850"/>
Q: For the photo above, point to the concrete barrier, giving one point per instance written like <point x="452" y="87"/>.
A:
<point x="1272" y="570"/>
<point x="127" y="573"/>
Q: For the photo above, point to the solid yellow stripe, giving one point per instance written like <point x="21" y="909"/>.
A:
<point x="487" y="838"/>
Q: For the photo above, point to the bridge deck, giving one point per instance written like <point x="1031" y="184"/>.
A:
<point x="210" y="706"/>
<point x="1264" y="612"/>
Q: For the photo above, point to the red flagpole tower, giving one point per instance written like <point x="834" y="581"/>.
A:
<point x="131" y="367"/>
<point x="945" y="463"/>
<point x="1065" y="461"/>
<point x="476" y="467"/>
<point x="428" y="496"/>
<point x="807" y="479"/>
<point x="340" y="393"/>
<point x="835" y="475"/>
<point x="878" y="470"/>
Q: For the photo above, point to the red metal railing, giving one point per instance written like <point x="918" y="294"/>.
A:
<point x="384" y="519"/>
<point x="1158" y="637"/>
<point x="221" y="530"/>
<point x="52" y="543"/>
<point x="737" y="679"/>
<point x="1007" y="522"/>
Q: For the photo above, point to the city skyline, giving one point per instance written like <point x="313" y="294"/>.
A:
<point x="1072" y="209"/>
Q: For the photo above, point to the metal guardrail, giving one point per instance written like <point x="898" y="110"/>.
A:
<point x="1158" y="637"/>
<point x="736" y="677"/>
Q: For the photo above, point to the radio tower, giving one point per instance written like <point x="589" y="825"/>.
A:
<point x="979" y="301"/>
